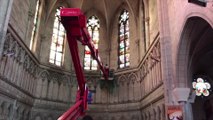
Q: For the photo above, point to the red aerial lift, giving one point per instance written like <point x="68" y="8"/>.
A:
<point x="74" y="23"/>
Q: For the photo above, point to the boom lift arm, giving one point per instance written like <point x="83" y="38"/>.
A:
<point x="74" y="23"/>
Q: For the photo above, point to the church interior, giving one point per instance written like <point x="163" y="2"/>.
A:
<point x="159" y="54"/>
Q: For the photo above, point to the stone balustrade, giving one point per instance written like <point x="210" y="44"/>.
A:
<point x="23" y="81"/>
<point x="32" y="87"/>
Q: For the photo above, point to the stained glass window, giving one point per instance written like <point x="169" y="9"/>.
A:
<point x="93" y="26"/>
<point x="58" y="38"/>
<point x="201" y="87"/>
<point x="124" y="52"/>
<point x="35" y="24"/>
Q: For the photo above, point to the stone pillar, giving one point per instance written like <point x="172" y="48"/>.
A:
<point x="146" y="24"/>
<point x="187" y="111"/>
<point x="166" y="53"/>
<point x="166" y="60"/>
<point x="166" y="50"/>
<point x="5" y="8"/>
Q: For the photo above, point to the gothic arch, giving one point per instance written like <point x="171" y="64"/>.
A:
<point x="186" y="49"/>
<point x="66" y="79"/>
<point x="122" y="79"/>
<point x="132" y="78"/>
<point x="53" y="5"/>
<point x="114" y="20"/>
<point x="43" y="74"/>
<point x="194" y="59"/>
<point x="98" y="14"/>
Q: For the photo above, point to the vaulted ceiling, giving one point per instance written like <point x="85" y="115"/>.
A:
<point x="106" y="8"/>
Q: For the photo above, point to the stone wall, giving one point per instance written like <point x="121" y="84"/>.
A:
<point x="133" y="39"/>
<point x="26" y="84"/>
<point x="152" y="18"/>
<point x="31" y="88"/>
<point x="138" y="93"/>
<point x="52" y="92"/>
<point x="45" y="93"/>
<point x="19" y="18"/>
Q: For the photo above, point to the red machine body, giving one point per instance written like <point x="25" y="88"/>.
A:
<point x="74" y="23"/>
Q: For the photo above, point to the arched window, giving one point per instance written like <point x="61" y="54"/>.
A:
<point x="123" y="50"/>
<point x="93" y="26"/>
<point x="35" y="24"/>
<point x="58" y="38"/>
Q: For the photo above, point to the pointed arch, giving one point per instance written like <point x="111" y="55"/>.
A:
<point x="93" y="25"/>
<point x="122" y="79"/>
<point x="52" y="5"/>
<point x="43" y="74"/>
<point x="66" y="79"/>
<point x="58" y="40"/>
<point x="132" y="77"/>
<point x="123" y="40"/>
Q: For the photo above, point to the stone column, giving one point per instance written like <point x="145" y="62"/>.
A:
<point x="187" y="111"/>
<point x="166" y="59"/>
<point x="5" y="8"/>
<point x="166" y="53"/>
<point x="166" y="50"/>
<point x="146" y="24"/>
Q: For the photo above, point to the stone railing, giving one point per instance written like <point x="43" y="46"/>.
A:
<point x="17" y="68"/>
<point x="24" y="81"/>
<point x="138" y="89"/>
<point x="138" y="93"/>
<point x="135" y="84"/>
<point x="17" y="80"/>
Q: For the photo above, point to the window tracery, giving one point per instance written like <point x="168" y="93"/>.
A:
<point x="124" y="51"/>
<point x="93" y="26"/>
<point x="58" y="39"/>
